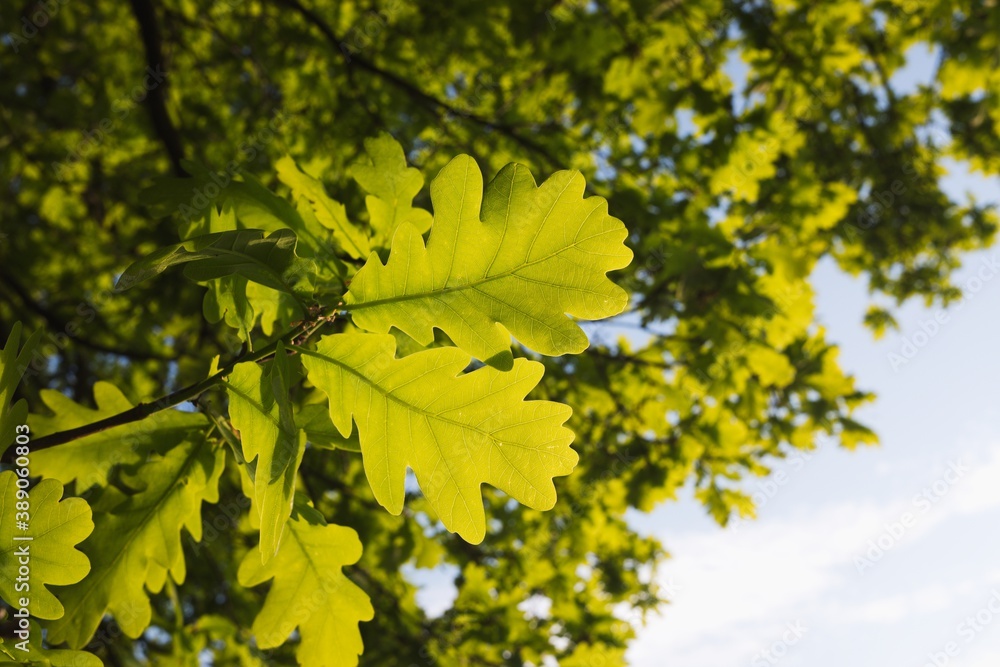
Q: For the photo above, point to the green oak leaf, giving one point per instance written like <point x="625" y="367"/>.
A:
<point x="56" y="527"/>
<point x="455" y="431"/>
<point x="309" y="591"/>
<point x="226" y="299"/>
<point x="136" y="541"/>
<point x="260" y="408"/>
<point x="255" y="205"/>
<point x="268" y="260"/>
<point x="11" y="653"/>
<point x="330" y="213"/>
<point x="391" y="186"/>
<point x="14" y="361"/>
<point x="90" y="459"/>
<point x="240" y="302"/>
<point x="513" y="260"/>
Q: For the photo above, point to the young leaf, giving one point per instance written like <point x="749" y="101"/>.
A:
<point x="310" y="592"/>
<point x="331" y="214"/>
<point x="455" y="431"/>
<point x="242" y="303"/>
<point x="136" y="541"/>
<point x="260" y="407"/>
<point x="517" y="260"/>
<point x="245" y="252"/>
<point x="14" y="361"/>
<point x="55" y="528"/>
<point x="226" y="299"/>
<point x="89" y="460"/>
<point x="320" y="431"/>
<point x="255" y="205"/>
<point x="35" y="656"/>
<point x="391" y="186"/>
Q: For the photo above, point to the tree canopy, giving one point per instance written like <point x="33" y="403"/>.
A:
<point x="551" y="257"/>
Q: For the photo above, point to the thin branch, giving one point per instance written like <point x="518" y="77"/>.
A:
<point x="427" y="100"/>
<point x="56" y="322"/>
<point x="145" y="14"/>
<point x="143" y="410"/>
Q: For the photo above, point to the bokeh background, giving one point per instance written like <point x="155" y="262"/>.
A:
<point x="805" y="354"/>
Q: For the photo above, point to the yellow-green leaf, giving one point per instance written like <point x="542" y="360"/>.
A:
<point x="261" y="410"/>
<point x="330" y="213"/>
<point x="136" y="541"/>
<point x="456" y="431"/>
<point x="516" y="259"/>
<point x="54" y="527"/>
<point x="391" y="186"/>
<point x="310" y="592"/>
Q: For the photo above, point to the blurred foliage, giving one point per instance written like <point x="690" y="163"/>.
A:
<point x="741" y="143"/>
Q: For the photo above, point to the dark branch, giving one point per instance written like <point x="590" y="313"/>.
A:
<point x="145" y="14"/>
<point x="428" y="101"/>
<point x="59" y="324"/>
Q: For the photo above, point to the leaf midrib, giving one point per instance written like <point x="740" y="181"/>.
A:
<point x="141" y="528"/>
<point x="427" y="415"/>
<point x="465" y="286"/>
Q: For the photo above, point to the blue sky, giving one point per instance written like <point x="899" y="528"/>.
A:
<point x="736" y="589"/>
<point x="883" y="556"/>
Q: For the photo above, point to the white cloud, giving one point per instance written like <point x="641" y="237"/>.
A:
<point x="737" y="589"/>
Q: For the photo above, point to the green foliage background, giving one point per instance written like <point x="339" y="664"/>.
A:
<point x="817" y="157"/>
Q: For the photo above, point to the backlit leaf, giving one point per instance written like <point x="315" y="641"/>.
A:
<point x="89" y="460"/>
<point x="391" y="187"/>
<point x="136" y="541"/>
<point x="310" y="592"/>
<point x="331" y="214"/>
<point x="55" y="527"/>
<point x="513" y="261"/>
<point x="456" y="431"/>
<point x="261" y="410"/>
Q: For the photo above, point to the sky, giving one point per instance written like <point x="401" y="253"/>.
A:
<point x="869" y="558"/>
<point x="887" y="555"/>
<point x="881" y="556"/>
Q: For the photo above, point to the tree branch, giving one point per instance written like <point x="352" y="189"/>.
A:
<point x="429" y="101"/>
<point x="143" y="410"/>
<point x="56" y="322"/>
<point x="145" y="14"/>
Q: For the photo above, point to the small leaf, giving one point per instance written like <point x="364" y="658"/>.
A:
<point x="391" y="187"/>
<point x="261" y="410"/>
<point x="14" y="361"/>
<point x="136" y="541"/>
<point x="244" y="252"/>
<point x="55" y="527"/>
<point x="310" y="592"/>
<point x="455" y="431"/>
<point x="331" y="214"/>
<point x="516" y="261"/>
